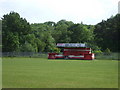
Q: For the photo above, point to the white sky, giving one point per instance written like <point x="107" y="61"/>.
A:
<point x="40" y="11"/>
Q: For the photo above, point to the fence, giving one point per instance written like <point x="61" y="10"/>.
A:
<point x="111" y="56"/>
<point x="24" y="54"/>
<point x="103" y="56"/>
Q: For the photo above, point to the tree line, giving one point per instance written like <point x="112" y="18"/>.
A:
<point x="18" y="35"/>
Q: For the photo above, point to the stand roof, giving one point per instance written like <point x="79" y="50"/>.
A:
<point x="71" y="45"/>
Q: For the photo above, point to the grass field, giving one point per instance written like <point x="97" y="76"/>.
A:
<point x="44" y="73"/>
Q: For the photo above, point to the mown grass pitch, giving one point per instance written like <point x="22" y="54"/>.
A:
<point x="44" y="73"/>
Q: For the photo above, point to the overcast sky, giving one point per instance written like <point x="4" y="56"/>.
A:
<point x="40" y="11"/>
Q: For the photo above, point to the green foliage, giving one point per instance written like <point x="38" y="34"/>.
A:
<point x="97" y="52"/>
<point x="43" y="34"/>
<point x="56" y="50"/>
<point x="61" y="33"/>
<point x="27" y="48"/>
<point x="107" y="51"/>
<point x="13" y="30"/>
<point x="11" y="42"/>
<point x="42" y="37"/>
<point x="40" y="45"/>
<point x="106" y="33"/>
<point x="81" y="33"/>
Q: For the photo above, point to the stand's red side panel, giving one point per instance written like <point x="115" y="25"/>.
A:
<point x="89" y="56"/>
<point x="52" y="55"/>
<point x="76" y="51"/>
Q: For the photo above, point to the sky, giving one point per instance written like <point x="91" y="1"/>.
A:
<point x="77" y="11"/>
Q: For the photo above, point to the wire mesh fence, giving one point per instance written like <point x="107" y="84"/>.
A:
<point x="103" y="56"/>
<point x="24" y="54"/>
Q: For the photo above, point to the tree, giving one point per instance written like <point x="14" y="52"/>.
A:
<point x="13" y="29"/>
<point x="27" y="47"/>
<point x="107" y="33"/>
<point x="43" y="34"/>
<point x="61" y="33"/>
<point x="107" y="51"/>
<point x="11" y="42"/>
<point x="19" y="35"/>
<point x="80" y="33"/>
<point x="50" y="23"/>
<point x="49" y="41"/>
